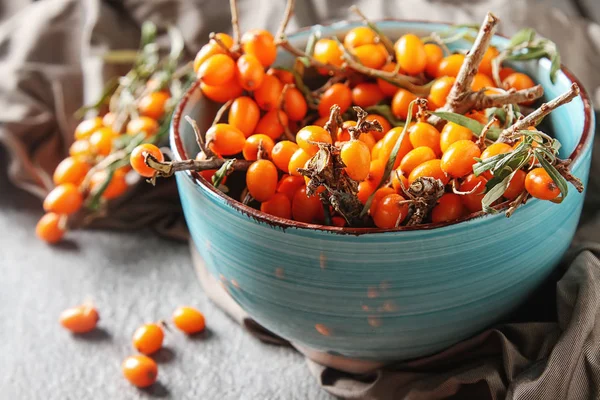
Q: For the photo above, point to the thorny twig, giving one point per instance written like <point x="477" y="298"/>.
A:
<point x="334" y="123"/>
<point x="362" y="124"/>
<point x="484" y="131"/>
<point x="289" y="9"/>
<point x="235" y="24"/>
<point x="168" y="168"/>
<point x="200" y="139"/>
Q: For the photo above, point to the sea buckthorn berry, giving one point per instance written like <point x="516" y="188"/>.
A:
<point x="458" y="160"/>
<point x="327" y="51"/>
<point x="452" y="133"/>
<point x="366" y="94"/>
<point x="390" y="212"/>
<point x="87" y="127"/>
<point x="359" y="36"/>
<point x="63" y="199"/>
<point x="376" y="150"/>
<point x="208" y="173"/>
<point x="101" y="141"/>
<point x="344" y="135"/>
<point x="217" y="70"/>
<point x="338" y="221"/>
<point x="424" y="134"/>
<point x="307" y="209"/>
<point x="138" y="156"/>
<point x="485" y="67"/>
<point x="440" y="90"/>
<point x="357" y="157"/>
<point x="481" y="81"/>
<point x="224" y="93"/>
<point x="410" y="54"/>
<point x="376" y="170"/>
<point x="267" y="94"/>
<point x="116" y="187"/>
<point x="148" y="338"/>
<point x="416" y="157"/>
<point x="289" y="185"/>
<point x="365" y="189"/>
<point x="493" y="150"/>
<point x="261" y="180"/>
<point x="434" y="55"/>
<point x="272" y="124"/>
<point x="250" y="151"/>
<point x="387" y="88"/>
<point x="189" y="320"/>
<point x="368" y="139"/>
<point x="298" y="160"/>
<point x="80" y="149"/>
<point x="339" y="94"/>
<point x="518" y="81"/>
<point x="321" y="121"/>
<point x="283" y="75"/>
<point x="540" y="185"/>
<point x="516" y="185"/>
<point x="377" y="135"/>
<point x="370" y="55"/>
<point x="250" y="72"/>
<point x="142" y="124"/>
<point x="400" y="103"/>
<point x="473" y="201"/>
<point x="399" y="184"/>
<point x="294" y="104"/>
<point x="212" y="48"/>
<point x="140" y="370"/>
<point x="260" y="44"/>
<point x="80" y="319"/>
<point x="379" y="195"/>
<point x="49" y="228"/>
<point x="244" y="114"/>
<point x="450" y="65"/>
<point x="153" y="104"/>
<point x="279" y="205"/>
<point x="505" y="72"/>
<point x="448" y="208"/>
<point x="429" y="168"/>
<point x="70" y="170"/>
<point x="389" y="141"/>
<point x="312" y="133"/>
<point x="282" y="153"/>
<point x="225" y="139"/>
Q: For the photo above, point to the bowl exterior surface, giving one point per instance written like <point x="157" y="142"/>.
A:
<point x="390" y="295"/>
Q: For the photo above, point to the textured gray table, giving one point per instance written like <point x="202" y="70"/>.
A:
<point x="132" y="278"/>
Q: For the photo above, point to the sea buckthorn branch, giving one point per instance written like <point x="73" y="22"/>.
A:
<point x="362" y="125"/>
<point x="200" y="139"/>
<point x="481" y="101"/>
<point x="334" y="123"/>
<point x="235" y="24"/>
<point x="165" y="169"/>
<point x="389" y="46"/>
<point x="287" y="15"/>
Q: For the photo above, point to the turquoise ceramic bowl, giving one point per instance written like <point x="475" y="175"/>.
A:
<point x="382" y="294"/>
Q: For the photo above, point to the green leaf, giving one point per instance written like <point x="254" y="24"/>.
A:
<point x="222" y="172"/>
<point x="474" y="126"/>
<point x="558" y="179"/>
<point x="148" y="33"/>
<point x="555" y="67"/>
<point x="556" y="145"/>
<point x="484" y="165"/>
<point x="522" y="36"/>
<point x="107" y="92"/>
<point x="530" y="54"/>
<point x="312" y="40"/>
<point x="120" y="56"/>
<point x="495" y="193"/>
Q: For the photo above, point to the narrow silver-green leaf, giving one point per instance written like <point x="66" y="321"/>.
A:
<point x="555" y="67"/>
<point x="475" y="126"/>
<point x="558" y="179"/>
<point x="523" y="36"/>
<point x="530" y="54"/>
<point x="494" y="194"/>
<point x="221" y="173"/>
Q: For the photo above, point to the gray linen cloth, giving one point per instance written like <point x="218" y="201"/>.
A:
<point x="50" y="63"/>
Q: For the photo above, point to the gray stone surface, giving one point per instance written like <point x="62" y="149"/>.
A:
<point x="133" y="278"/>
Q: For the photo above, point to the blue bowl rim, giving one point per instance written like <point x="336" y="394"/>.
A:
<point x="179" y="153"/>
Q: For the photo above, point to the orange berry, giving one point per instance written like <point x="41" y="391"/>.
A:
<point x="458" y="160"/>
<point x="540" y="185"/>
<point x="452" y="133"/>
<point x="390" y="213"/>
<point x="282" y="153"/>
<point x="109" y="119"/>
<point x="87" y="127"/>
<point x="387" y="88"/>
<point x="321" y="121"/>
<point x="481" y="81"/>
<point x="63" y="199"/>
<point x="312" y="133"/>
<point x="450" y="65"/>
<point x="367" y="94"/>
<point x="359" y="36"/>
<point x="384" y="124"/>
<point x="116" y="187"/>
<point x="143" y="124"/>
<point x="225" y="139"/>
<point x="153" y="104"/>
<point x="272" y="124"/>
<point x="365" y="189"/>
<point x="448" y="208"/>
<point x="101" y="141"/>
<point x="339" y="94"/>
<point x="138" y="156"/>
<point x="140" y="370"/>
<point x="244" y="114"/>
<point x="505" y="72"/>
<point x="434" y="55"/>
<point x="516" y="185"/>
<point x="148" y="338"/>
<point x="189" y="320"/>
<point x="431" y="169"/>
<point x="518" y="81"/>
<point x="289" y="185"/>
<point x="80" y="149"/>
<point x="371" y="55"/>
<point x="400" y="103"/>
<point x="261" y="180"/>
<point x="217" y="70"/>
<point x="71" y="170"/>
<point x="416" y="157"/>
<point x="49" y="228"/>
<point x="368" y="139"/>
<point x="224" y="93"/>
<point x="399" y="184"/>
<point x="379" y="195"/>
<point x="267" y="94"/>
<point x="376" y="170"/>
<point x="440" y="90"/>
<point x="376" y="150"/>
<point x="294" y="104"/>
<point x="473" y="201"/>
<point x="250" y="151"/>
<point x="279" y="205"/>
<point x="80" y="319"/>
<point x="260" y="44"/>
<point x="212" y="48"/>
<point x="424" y="134"/>
<point x="298" y="160"/>
<point x="410" y="54"/>
<point x="283" y="75"/>
<point x="250" y="72"/>
<point x="493" y="150"/>
<point x="338" y="221"/>
<point x="307" y="209"/>
<point x="486" y="63"/>
<point x="389" y="141"/>
<point x="357" y="157"/>
<point x="327" y="51"/>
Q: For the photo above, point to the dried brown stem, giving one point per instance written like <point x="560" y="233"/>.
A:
<point x="289" y="10"/>
<point x="513" y="205"/>
<point x="235" y="24"/>
<point x="200" y="139"/>
<point x="330" y="82"/>
<point x="221" y="112"/>
<point x="389" y="46"/>
<point x="334" y="123"/>
<point x="484" y="131"/>
<point x="563" y="168"/>
<point x="284" y="44"/>
<point x="280" y="106"/>
<point x="484" y="101"/>
<point x="536" y="116"/>
<point x="168" y="168"/>
<point x="362" y="125"/>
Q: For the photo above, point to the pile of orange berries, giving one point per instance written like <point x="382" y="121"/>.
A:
<point x="139" y="369"/>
